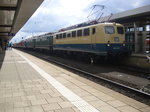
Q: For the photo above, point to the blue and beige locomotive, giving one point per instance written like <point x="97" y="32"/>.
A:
<point x="101" y="39"/>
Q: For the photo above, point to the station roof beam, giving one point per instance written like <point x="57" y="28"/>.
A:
<point x="14" y="14"/>
<point x="137" y="14"/>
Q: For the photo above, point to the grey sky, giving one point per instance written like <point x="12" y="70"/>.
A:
<point x="53" y="15"/>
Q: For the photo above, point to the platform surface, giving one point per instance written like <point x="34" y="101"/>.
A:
<point x="140" y="54"/>
<point x="29" y="84"/>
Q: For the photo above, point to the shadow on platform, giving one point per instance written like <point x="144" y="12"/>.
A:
<point x="2" y="56"/>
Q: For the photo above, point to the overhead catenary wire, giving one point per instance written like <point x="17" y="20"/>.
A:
<point x="98" y="11"/>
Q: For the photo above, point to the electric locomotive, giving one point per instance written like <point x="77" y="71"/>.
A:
<point x="99" y="39"/>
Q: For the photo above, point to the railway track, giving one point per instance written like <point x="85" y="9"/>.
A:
<point x="140" y="95"/>
<point x="138" y="92"/>
<point x="135" y="69"/>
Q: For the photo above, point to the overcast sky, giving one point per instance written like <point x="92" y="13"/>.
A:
<point x="53" y="15"/>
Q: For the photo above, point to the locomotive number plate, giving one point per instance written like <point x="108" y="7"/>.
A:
<point x="116" y="39"/>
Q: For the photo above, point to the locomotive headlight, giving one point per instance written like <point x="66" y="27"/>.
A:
<point x="124" y="43"/>
<point x="108" y="43"/>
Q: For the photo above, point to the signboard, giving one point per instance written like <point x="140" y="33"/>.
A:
<point x="12" y="34"/>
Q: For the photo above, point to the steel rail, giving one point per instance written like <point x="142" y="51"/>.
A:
<point x="135" y="91"/>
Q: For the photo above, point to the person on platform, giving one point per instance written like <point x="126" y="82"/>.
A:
<point x="10" y="46"/>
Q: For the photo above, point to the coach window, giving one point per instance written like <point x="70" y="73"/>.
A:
<point x="64" y="35"/>
<point x="60" y="36"/>
<point x="73" y="33"/>
<point x="69" y="34"/>
<point x="86" y="32"/>
<point x="109" y="30"/>
<point x="93" y="30"/>
<point x="57" y="36"/>
<point x="79" y="33"/>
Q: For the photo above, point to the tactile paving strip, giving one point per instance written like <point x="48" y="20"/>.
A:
<point x="81" y="104"/>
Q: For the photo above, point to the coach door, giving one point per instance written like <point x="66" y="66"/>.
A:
<point x="93" y="38"/>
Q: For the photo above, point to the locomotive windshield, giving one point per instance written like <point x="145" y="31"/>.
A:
<point x="109" y="30"/>
<point x="120" y="30"/>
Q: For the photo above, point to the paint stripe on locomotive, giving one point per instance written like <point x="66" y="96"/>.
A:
<point x="92" y="48"/>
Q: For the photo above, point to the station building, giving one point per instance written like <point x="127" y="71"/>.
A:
<point x="137" y="27"/>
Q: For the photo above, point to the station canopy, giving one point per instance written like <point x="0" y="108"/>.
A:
<point x="14" y="14"/>
<point x="133" y="15"/>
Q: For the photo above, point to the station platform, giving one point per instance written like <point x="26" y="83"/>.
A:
<point x="29" y="84"/>
<point x="138" y="60"/>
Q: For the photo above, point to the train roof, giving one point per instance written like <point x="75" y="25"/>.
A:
<point x="41" y="35"/>
<point x="69" y="30"/>
<point x="78" y="28"/>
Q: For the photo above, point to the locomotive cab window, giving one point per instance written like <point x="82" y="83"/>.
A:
<point x="86" y="32"/>
<point x="120" y="30"/>
<point x="109" y="30"/>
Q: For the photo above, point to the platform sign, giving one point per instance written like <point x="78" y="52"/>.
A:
<point x="12" y="34"/>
